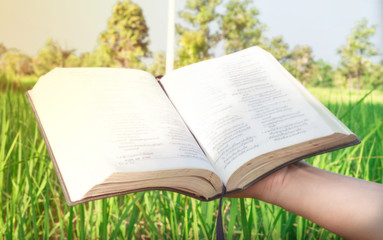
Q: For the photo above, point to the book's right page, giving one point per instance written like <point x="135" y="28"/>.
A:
<point x="246" y="104"/>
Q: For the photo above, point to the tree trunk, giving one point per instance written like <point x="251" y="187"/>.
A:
<point x="351" y="83"/>
<point x="122" y="62"/>
<point x="358" y="82"/>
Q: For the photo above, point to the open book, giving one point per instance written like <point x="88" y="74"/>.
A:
<point x="227" y="121"/>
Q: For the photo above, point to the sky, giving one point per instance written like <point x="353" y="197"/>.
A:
<point x="324" y="25"/>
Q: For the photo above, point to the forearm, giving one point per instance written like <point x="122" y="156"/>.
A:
<point x="349" y="207"/>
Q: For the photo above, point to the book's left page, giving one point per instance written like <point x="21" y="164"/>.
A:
<point x="100" y="121"/>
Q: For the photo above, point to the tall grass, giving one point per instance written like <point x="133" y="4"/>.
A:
<point x="33" y="206"/>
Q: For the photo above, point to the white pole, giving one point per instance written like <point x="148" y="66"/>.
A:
<point x="170" y="36"/>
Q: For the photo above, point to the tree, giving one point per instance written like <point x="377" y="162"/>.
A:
<point x="97" y="58"/>
<point x="240" y="26"/>
<point x="126" y="40"/>
<point x="72" y="61"/>
<point x="375" y="76"/>
<point x="278" y="48"/>
<point x="17" y="64"/>
<point x="89" y="59"/>
<point x="356" y="54"/>
<point x="300" y="63"/>
<point x="52" y="55"/>
<point x="323" y="74"/>
<point x="3" y="50"/>
<point x="159" y="65"/>
<point x="13" y="64"/>
<point x="195" y="37"/>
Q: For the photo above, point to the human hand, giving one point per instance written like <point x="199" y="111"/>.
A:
<point x="269" y="188"/>
<point x="349" y="207"/>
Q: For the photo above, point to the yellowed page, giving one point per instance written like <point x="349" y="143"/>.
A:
<point x="243" y="105"/>
<point x="103" y="120"/>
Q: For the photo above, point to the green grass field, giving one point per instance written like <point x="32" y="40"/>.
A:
<point x="33" y="206"/>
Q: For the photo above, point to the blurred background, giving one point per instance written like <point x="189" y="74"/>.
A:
<point x="322" y="43"/>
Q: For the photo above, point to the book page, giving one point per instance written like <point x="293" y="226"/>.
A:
<point x="242" y="105"/>
<point x="99" y="121"/>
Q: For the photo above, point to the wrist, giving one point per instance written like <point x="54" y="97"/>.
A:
<point x="284" y="184"/>
<point x="272" y="188"/>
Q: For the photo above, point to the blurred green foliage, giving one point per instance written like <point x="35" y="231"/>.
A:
<point x="158" y="67"/>
<point x="240" y="27"/>
<point x="53" y="55"/>
<point x="195" y="37"/>
<point x="126" y="39"/>
<point x="206" y="27"/>
<point x="356" y="54"/>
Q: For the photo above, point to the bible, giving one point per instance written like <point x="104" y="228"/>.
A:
<point x="221" y="123"/>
